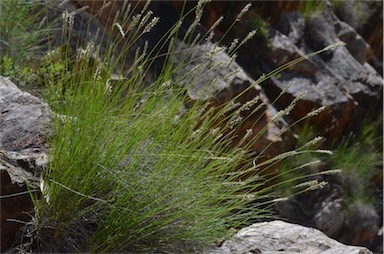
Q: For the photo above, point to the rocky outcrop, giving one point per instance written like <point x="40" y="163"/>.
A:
<point x="282" y="237"/>
<point x="22" y="156"/>
<point x="347" y="81"/>
<point x="342" y="80"/>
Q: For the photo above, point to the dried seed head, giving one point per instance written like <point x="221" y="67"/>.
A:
<point x="234" y="120"/>
<point x="217" y="22"/>
<point x="145" y="19"/>
<point x="331" y="172"/>
<point x="151" y="24"/>
<point x="243" y="11"/>
<point x="312" y="185"/>
<point x="68" y="19"/>
<point x="249" y="36"/>
<point x="176" y="28"/>
<point x="313" y="142"/>
<point x="105" y="5"/>
<point x="85" y="53"/>
<point x="96" y="75"/>
<point x="335" y="45"/>
<point x="279" y="199"/>
<point x="233" y="45"/>
<point x="196" y="133"/>
<point x="210" y="37"/>
<point x="249" y="104"/>
<point x="316" y="111"/>
<point x="216" y="49"/>
<point x="120" y="29"/>
<point x="231" y="105"/>
<point x="324" y="151"/>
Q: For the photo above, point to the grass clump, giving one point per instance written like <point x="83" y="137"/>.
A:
<point x="134" y="177"/>
<point x="125" y="175"/>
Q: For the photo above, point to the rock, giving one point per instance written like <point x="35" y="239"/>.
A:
<point x="355" y="44"/>
<point x="331" y="217"/>
<point x="363" y="225"/>
<point x="282" y="237"/>
<point x="365" y="17"/>
<point x="23" y="155"/>
<point x="341" y="79"/>
<point x="22" y="118"/>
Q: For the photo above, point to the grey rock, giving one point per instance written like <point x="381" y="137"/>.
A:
<point x="356" y="45"/>
<point x="341" y="79"/>
<point x="331" y="217"/>
<point x="22" y="118"/>
<point x="282" y="237"/>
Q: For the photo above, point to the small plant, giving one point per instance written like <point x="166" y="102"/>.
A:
<point x="360" y="157"/>
<point x="354" y="13"/>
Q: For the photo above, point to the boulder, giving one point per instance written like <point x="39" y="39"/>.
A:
<point x="359" y="219"/>
<point x="282" y="237"/>
<point x="347" y="80"/>
<point x="23" y="118"/>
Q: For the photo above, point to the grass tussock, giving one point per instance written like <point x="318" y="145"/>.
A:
<point x="137" y="177"/>
<point x="127" y="173"/>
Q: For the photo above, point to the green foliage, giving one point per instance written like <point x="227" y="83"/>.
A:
<point x="140" y="180"/>
<point x="310" y="7"/>
<point x="10" y="69"/>
<point x="38" y="75"/>
<point x="355" y="13"/>
<point x="23" y="36"/>
<point x="21" y="30"/>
